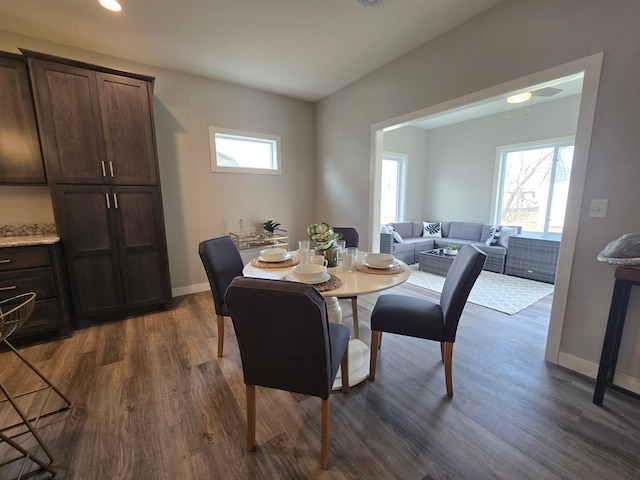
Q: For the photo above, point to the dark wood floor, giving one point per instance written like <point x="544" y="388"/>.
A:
<point x="152" y="401"/>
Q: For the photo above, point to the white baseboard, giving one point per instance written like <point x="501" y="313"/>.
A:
<point x="590" y="369"/>
<point x="180" y="291"/>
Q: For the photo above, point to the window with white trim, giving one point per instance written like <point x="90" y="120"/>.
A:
<point x="236" y="151"/>
<point x="534" y="185"/>
<point x="393" y="181"/>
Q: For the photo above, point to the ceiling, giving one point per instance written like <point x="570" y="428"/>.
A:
<point x="304" y="49"/>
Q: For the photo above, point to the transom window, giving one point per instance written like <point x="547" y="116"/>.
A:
<point x="534" y="185"/>
<point x="244" y="152"/>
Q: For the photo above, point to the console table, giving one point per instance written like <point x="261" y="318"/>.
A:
<point x="625" y="278"/>
<point x="533" y="256"/>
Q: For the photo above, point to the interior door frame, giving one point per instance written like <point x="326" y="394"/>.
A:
<point x="591" y="67"/>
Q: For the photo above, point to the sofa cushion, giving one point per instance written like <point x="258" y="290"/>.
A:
<point x="432" y="229"/>
<point x="405" y="229"/>
<point x="493" y="235"/>
<point x="417" y="229"/>
<point x="466" y="230"/>
<point x="505" y="233"/>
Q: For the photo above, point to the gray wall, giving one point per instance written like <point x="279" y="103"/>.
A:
<point x="515" y="39"/>
<point x="199" y="204"/>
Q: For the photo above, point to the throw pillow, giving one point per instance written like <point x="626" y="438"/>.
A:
<point x="396" y="236"/>
<point x="505" y="233"/>
<point x="384" y="229"/>
<point x="494" y="235"/>
<point x="433" y="230"/>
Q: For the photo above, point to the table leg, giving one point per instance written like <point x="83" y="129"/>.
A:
<point x="358" y="350"/>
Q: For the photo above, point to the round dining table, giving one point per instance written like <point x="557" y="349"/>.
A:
<point x="359" y="282"/>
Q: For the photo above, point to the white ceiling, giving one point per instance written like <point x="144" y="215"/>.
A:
<point x="304" y="49"/>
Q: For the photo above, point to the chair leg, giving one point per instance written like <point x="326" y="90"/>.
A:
<point x="448" y="356"/>
<point x="380" y="341"/>
<point x="442" y="351"/>
<point x="356" y="325"/>
<point x="373" y="355"/>
<point x="324" y="449"/>
<point x="251" y="417"/>
<point x="220" y="334"/>
<point x="344" y="367"/>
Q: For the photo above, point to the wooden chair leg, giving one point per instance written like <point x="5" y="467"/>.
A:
<point x="380" y="341"/>
<point x="448" y="355"/>
<point x="324" y="449"/>
<point x="251" y="417"/>
<point x="442" y="351"/>
<point x="344" y="367"/>
<point x="220" y="334"/>
<point x="373" y="355"/>
<point x="356" y="324"/>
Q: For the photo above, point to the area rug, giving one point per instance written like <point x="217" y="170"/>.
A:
<point x="503" y="293"/>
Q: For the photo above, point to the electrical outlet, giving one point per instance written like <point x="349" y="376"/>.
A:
<point x="598" y="208"/>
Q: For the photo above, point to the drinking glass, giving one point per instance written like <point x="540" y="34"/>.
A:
<point x="352" y="257"/>
<point x="304" y="253"/>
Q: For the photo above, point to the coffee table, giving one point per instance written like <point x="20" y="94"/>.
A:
<point x="434" y="261"/>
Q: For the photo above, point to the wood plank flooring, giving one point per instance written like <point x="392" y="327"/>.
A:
<point x="152" y="401"/>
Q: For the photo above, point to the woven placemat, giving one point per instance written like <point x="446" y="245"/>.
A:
<point x="285" y="264"/>
<point x="331" y="284"/>
<point x="361" y="267"/>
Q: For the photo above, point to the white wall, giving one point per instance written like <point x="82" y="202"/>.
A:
<point x="512" y="40"/>
<point x="199" y="204"/>
<point x="461" y="158"/>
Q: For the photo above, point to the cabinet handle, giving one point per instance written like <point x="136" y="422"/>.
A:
<point x="106" y="195"/>
<point x="5" y="260"/>
<point x="104" y="171"/>
<point x="12" y="287"/>
<point x="115" y="200"/>
<point x="111" y="168"/>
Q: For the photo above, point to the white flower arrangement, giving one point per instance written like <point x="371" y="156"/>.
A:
<point x="323" y="235"/>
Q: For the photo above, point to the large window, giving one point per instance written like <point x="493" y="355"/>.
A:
<point x="244" y="152"/>
<point x="394" y="167"/>
<point x="534" y="184"/>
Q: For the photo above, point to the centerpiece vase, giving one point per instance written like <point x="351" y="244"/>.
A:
<point x="331" y="255"/>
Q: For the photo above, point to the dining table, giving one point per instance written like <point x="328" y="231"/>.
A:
<point x="362" y="280"/>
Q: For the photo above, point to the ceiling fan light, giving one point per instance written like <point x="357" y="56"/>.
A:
<point x="112" y="5"/>
<point x="519" y="98"/>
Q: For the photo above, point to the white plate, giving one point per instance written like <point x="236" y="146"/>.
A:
<point x="393" y="264"/>
<point x="325" y="278"/>
<point x="286" y="257"/>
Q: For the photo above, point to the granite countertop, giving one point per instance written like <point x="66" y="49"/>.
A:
<point x="25" y="235"/>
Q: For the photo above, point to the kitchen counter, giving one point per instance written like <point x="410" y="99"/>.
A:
<point x="26" y="240"/>
<point x="27" y="235"/>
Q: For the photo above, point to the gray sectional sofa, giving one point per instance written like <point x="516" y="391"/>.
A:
<point x="452" y="233"/>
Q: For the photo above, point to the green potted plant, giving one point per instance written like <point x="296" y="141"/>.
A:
<point x="451" y="250"/>
<point x="270" y="226"/>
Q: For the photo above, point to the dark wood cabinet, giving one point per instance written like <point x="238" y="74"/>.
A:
<point x="39" y="269"/>
<point x="20" y="156"/>
<point x="116" y="247"/>
<point x="98" y="142"/>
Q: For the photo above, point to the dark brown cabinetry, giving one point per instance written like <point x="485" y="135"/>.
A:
<point x="98" y="142"/>
<point x="20" y="156"/>
<point x="36" y="269"/>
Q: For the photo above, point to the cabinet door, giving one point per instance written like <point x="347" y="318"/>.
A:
<point x="68" y="111"/>
<point x="86" y="226"/>
<point x="20" y="157"/>
<point x="127" y="122"/>
<point x="142" y="246"/>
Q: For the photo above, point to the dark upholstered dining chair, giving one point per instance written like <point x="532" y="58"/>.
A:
<point x="287" y="343"/>
<point x="417" y="317"/>
<point x="352" y="239"/>
<point x="223" y="263"/>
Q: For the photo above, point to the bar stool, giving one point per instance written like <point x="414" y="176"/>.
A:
<point x="13" y="313"/>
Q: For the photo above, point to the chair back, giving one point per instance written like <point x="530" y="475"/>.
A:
<point x="283" y="335"/>
<point x="223" y="263"/>
<point x="460" y="279"/>
<point x="349" y="235"/>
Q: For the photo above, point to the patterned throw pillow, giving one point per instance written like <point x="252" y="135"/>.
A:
<point x="433" y="230"/>
<point x="494" y="236"/>
<point x="396" y="236"/>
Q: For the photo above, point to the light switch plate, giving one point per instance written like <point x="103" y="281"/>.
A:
<point x="598" y="208"/>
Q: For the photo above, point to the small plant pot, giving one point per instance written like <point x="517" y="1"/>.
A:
<point x="449" y="251"/>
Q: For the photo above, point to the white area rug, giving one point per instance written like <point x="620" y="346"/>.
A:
<point x="503" y="293"/>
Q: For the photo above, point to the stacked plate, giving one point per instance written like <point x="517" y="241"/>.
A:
<point x="274" y="255"/>
<point x="310" y="273"/>
<point x="380" y="260"/>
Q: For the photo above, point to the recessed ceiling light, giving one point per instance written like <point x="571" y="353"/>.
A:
<point x="112" y="5"/>
<point x="521" y="97"/>
<point x="369" y="3"/>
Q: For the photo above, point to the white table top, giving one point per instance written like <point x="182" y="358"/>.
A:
<point x="353" y="283"/>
